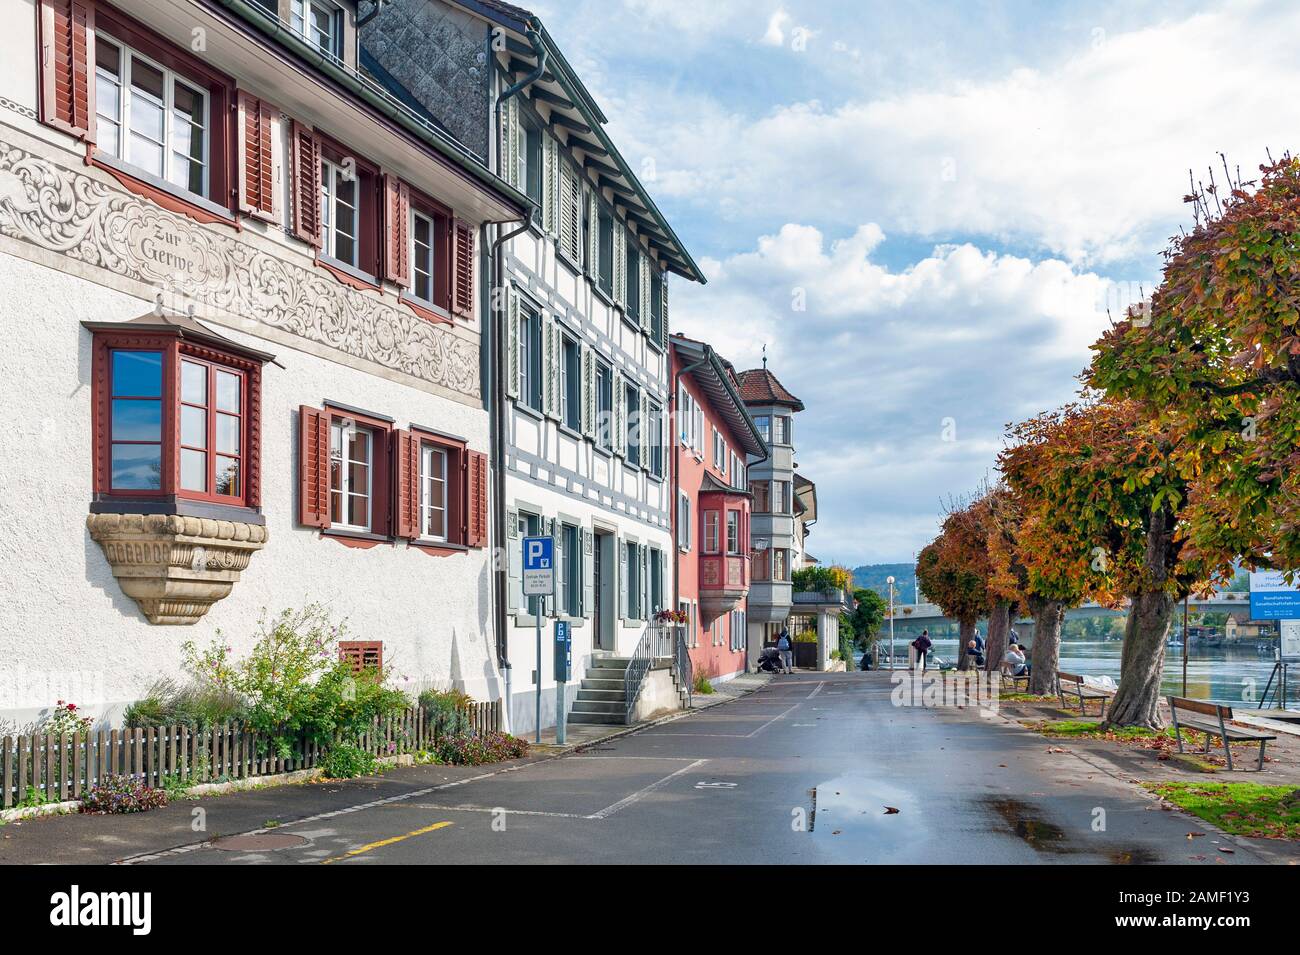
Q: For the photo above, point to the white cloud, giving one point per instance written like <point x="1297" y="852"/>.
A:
<point x="775" y="33"/>
<point x="1086" y="158"/>
<point x="883" y="359"/>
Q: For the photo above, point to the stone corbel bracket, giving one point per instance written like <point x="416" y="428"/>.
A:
<point x="175" y="567"/>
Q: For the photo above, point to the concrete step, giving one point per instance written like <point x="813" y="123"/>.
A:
<point x="600" y="706"/>
<point x="600" y="696"/>
<point x="607" y="672"/>
<point x="598" y="683"/>
<point x="607" y="719"/>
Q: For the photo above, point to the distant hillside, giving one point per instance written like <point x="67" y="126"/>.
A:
<point x="873" y="577"/>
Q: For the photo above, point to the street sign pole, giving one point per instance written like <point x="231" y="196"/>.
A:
<point x="539" y="582"/>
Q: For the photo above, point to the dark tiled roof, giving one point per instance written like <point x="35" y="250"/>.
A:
<point x="507" y="9"/>
<point x="758" y="386"/>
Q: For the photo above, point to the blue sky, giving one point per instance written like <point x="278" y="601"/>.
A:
<point x="957" y="192"/>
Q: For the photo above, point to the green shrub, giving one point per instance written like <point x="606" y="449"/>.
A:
<point x="119" y="794"/>
<point x="294" y="682"/>
<point x="701" y="685"/>
<point x="448" y="710"/>
<point x="807" y="636"/>
<point x="346" y="761"/>
<point x="462" y="749"/>
<point x="196" y="706"/>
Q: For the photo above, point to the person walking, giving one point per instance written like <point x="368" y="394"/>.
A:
<point x="786" y="649"/>
<point x="922" y="646"/>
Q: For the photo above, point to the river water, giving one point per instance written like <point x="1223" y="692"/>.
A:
<point x="1235" y="677"/>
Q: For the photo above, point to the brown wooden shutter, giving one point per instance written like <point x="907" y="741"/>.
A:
<point x="257" y="178"/>
<point x="306" y="184"/>
<point x="362" y="654"/>
<point x="67" y="37"/>
<point x="408" y="484"/>
<point x="462" y="268"/>
<point x="476" y="500"/>
<point x="397" y="238"/>
<point x="313" y="467"/>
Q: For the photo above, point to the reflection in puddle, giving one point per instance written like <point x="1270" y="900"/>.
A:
<point x="1047" y="837"/>
<point x="851" y="817"/>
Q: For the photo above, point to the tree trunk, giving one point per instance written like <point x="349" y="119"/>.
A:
<point x="965" y="634"/>
<point x="1142" y="662"/>
<point x="995" y="647"/>
<point x="1045" y="654"/>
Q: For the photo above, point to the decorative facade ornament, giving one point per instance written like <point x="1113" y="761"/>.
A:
<point x="88" y="220"/>
<point x="175" y="567"/>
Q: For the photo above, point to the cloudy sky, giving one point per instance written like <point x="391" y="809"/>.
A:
<point x="924" y="210"/>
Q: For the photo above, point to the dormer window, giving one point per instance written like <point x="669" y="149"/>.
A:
<point x="321" y="24"/>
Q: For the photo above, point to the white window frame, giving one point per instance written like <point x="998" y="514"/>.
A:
<point x="430" y="452"/>
<point x="344" y="431"/>
<point x="127" y="56"/>
<point x="732" y="512"/>
<point x="684" y="521"/>
<point x="712" y="539"/>
<point x="331" y="173"/>
<point x="430" y="259"/>
<point x="301" y="24"/>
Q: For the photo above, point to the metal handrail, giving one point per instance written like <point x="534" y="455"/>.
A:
<point x="637" y="667"/>
<point x="682" y="661"/>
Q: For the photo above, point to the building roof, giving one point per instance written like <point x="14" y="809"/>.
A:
<point x="805" y="495"/>
<point x="584" y="125"/>
<point x="183" y="325"/>
<point x="758" y="386"/>
<point x="715" y="379"/>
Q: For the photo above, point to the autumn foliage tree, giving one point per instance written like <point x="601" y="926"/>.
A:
<point x="953" y="571"/>
<point x="1217" y="355"/>
<point x="1108" y="496"/>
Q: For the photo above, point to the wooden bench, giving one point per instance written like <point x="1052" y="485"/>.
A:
<point x="1213" y="720"/>
<point x="1013" y="679"/>
<point x="1071" y="684"/>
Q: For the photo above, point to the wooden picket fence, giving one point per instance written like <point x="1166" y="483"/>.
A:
<point x="58" y="768"/>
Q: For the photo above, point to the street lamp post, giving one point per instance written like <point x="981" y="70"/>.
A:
<point x="890" y="581"/>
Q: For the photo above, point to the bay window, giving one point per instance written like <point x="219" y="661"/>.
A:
<point x="179" y="428"/>
<point x="710" y="532"/>
<point x="733" y="532"/>
<point x="764" y="424"/>
<point x="211" y="418"/>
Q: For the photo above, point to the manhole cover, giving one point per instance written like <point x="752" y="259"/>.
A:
<point x="263" y="842"/>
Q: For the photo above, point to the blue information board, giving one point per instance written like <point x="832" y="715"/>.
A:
<point x="1272" y="598"/>
<point x="563" y="651"/>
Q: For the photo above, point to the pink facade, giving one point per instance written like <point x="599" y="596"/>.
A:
<point x="714" y="440"/>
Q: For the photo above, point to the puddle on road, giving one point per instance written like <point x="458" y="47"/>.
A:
<point x="1022" y="819"/>
<point x="850" y="816"/>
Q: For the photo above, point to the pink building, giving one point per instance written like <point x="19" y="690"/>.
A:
<point x="714" y="437"/>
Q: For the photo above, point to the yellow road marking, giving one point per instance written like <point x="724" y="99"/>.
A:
<point x="386" y="842"/>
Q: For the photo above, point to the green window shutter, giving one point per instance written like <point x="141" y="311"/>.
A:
<point x="620" y="262"/>
<point x="643" y="287"/>
<point x="588" y="576"/>
<point x="512" y="342"/>
<point x="551" y="529"/>
<point x="570" y="212"/>
<point x="593" y="233"/>
<point x="560" y="572"/>
<point x="663" y="304"/>
<point x="622" y="579"/>
<point x="551" y="366"/>
<point x="643" y="430"/>
<point x="588" y="392"/>
<point x="620" y="426"/>
<point x="550" y="184"/>
<point x="510" y="141"/>
<point x="514" y="562"/>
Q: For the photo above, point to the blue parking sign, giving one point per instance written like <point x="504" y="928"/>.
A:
<point x="539" y="566"/>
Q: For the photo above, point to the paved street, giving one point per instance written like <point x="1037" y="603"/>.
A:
<point x="800" y="771"/>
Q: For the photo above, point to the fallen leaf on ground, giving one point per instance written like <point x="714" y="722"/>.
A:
<point x="890" y="810"/>
<point x="1193" y="835"/>
<point x="1228" y="851"/>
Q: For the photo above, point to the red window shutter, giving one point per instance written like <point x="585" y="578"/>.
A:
<point x="408" y="484"/>
<point x="67" y="35"/>
<point x="256" y="181"/>
<point x="306" y="184"/>
<point x="462" y="268"/>
<point x="314" y="467"/>
<point x="477" y="497"/>
<point x="397" y="241"/>
<point x="362" y="654"/>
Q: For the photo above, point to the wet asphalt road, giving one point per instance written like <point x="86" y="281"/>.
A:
<point x="799" y="772"/>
